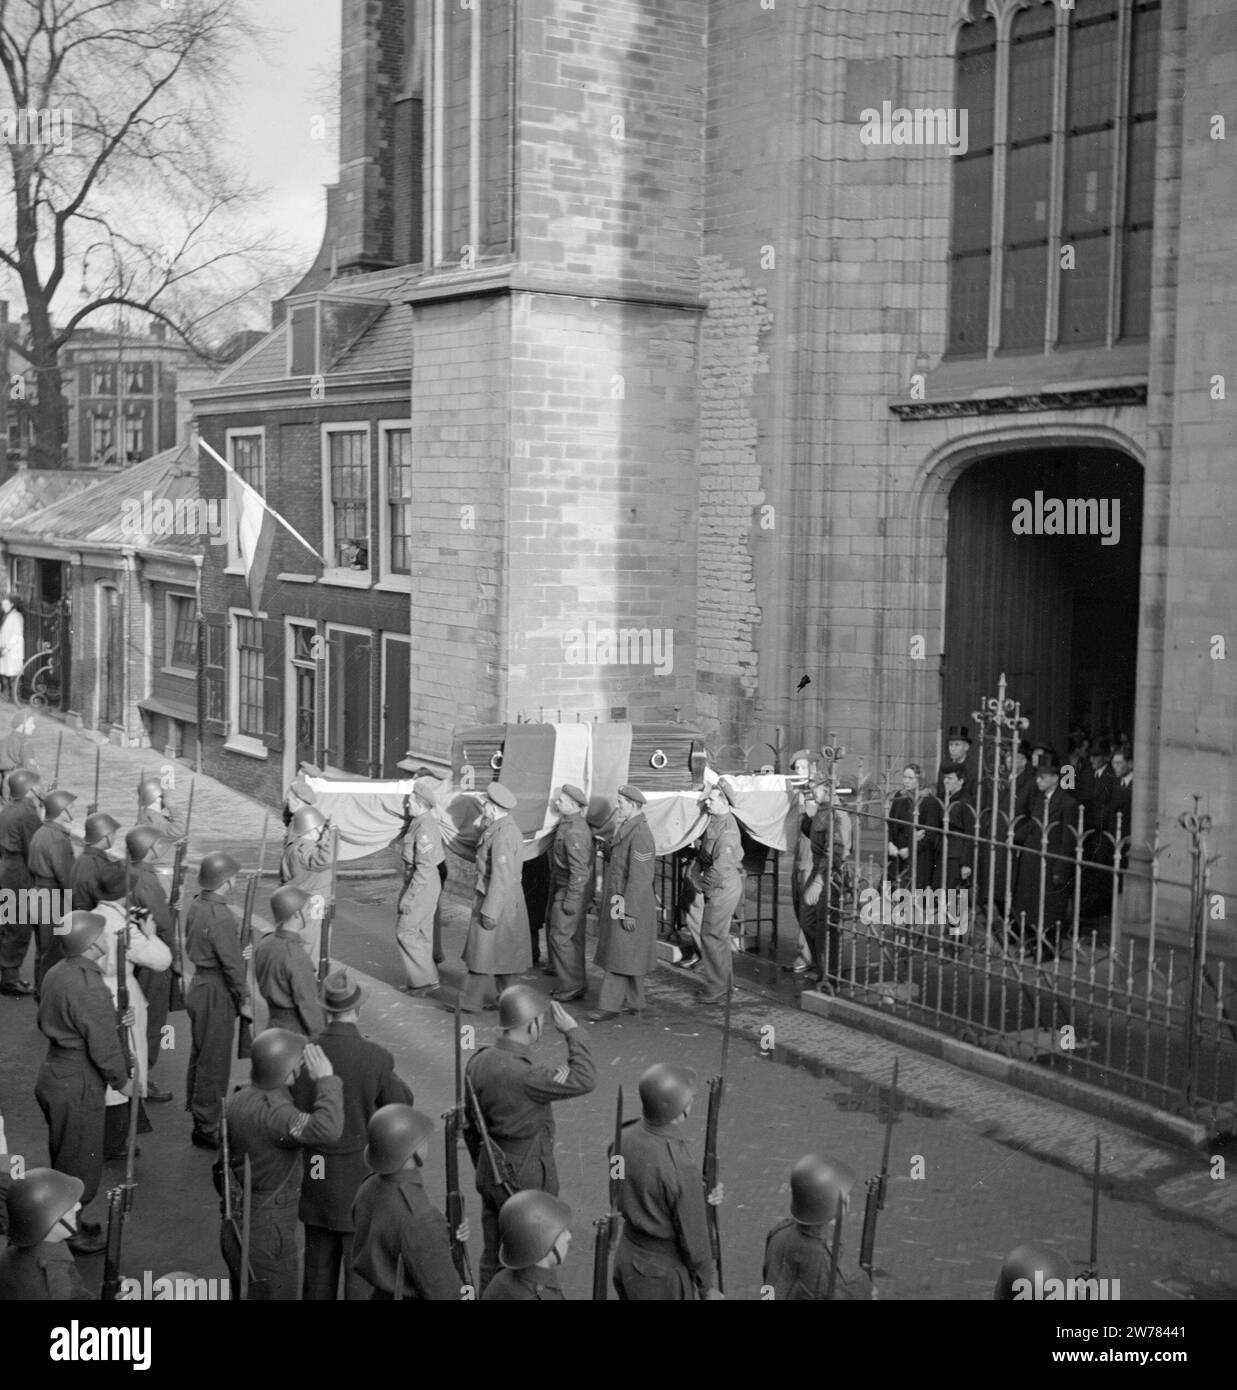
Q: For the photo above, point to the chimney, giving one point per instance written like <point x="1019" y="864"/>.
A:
<point x="159" y="331"/>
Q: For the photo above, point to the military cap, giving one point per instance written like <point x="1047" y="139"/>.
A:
<point x="529" y="1223"/>
<point x="20" y="783"/>
<point x="632" y="793"/>
<point x="395" y="1133"/>
<point x="502" y="796"/>
<point x="99" y="826"/>
<point x="570" y="789"/>
<point x="1024" y="1263"/>
<point x="54" y="803"/>
<point x="216" y="869"/>
<point x="79" y="931"/>
<point x="37" y="1201"/>
<point x="287" y="901"/>
<point x="305" y="819"/>
<point x="149" y="790"/>
<point x="426" y="788"/>
<point x="139" y="842"/>
<point x="804" y="755"/>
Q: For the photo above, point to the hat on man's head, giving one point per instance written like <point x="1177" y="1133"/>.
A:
<point x="1047" y="762"/>
<point x="570" y="789"/>
<point x="502" y="796"/>
<point x="958" y="733"/>
<point x="341" y="993"/>
<point x="804" y="755"/>
<point x="425" y="787"/>
<point x="632" y="794"/>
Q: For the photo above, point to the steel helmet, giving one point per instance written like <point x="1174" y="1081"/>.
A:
<point x="1023" y="1263"/>
<point x="82" y="929"/>
<point x="395" y="1133"/>
<point x="215" y="870"/>
<point x="20" y="783"/>
<point x="816" y="1183"/>
<point x="528" y="1225"/>
<point x="149" y="790"/>
<point x="55" y="802"/>
<point x="140" y="841"/>
<point x="98" y="827"/>
<point x="519" y="1004"/>
<point x="287" y="901"/>
<point x="275" y="1053"/>
<point x="306" y="819"/>
<point x="666" y="1091"/>
<point x="38" y="1201"/>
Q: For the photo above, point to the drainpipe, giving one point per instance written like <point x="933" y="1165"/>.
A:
<point x="132" y="584"/>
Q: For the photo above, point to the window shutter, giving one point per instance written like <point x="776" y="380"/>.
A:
<point x="273" y="643"/>
<point x="214" y="658"/>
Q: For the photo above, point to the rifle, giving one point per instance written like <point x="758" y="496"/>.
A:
<point x="328" y="917"/>
<point x="717" y="1093"/>
<point x="452" y="1121"/>
<point x="94" y="805"/>
<point x="120" y="1198"/>
<point x="498" y="1166"/>
<point x="56" y="770"/>
<point x="244" y="1038"/>
<point x="180" y="985"/>
<point x="875" y="1202"/>
<point x="248" y="1200"/>
<point x="607" y="1226"/>
<point x="836" y="1248"/>
<point x="1093" y="1263"/>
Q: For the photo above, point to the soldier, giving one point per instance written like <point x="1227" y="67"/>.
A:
<point x="51" y="868"/>
<point x="265" y="1125"/>
<point x="571" y="891"/>
<point x="18" y="822"/>
<point x="96" y="872"/>
<point x="155" y="809"/>
<point x="219" y="992"/>
<point x="17" y="749"/>
<point x="497" y="946"/>
<point x="147" y="896"/>
<point x="719" y="873"/>
<point x="515" y="1094"/>
<point x="306" y="862"/>
<point x="799" y="1251"/>
<point x="1025" y="1271"/>
<point x="367" y="1073"/>
<point x="423" y="855"/>
<point x="627" y="919"/>
<point x="37" y="1266"/>
<point x="77" y="1016"/>
<point x="286" y="979"/>
<point x="298" y="794"/>
<point x="535" y="1230"/>
<point x="402" y="1242"/>
<point x="958" y="748"/>
<point x="663" y="1255"/>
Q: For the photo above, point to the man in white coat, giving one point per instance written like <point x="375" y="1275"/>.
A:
<point x="12" y="646"/>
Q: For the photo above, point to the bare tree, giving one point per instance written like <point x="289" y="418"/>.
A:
<point x="118" y="166"/>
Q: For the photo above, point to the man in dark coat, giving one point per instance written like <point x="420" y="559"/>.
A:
<point x="1120" y="808"/>
<point x="285" y="977"/>
<point x="146" y="893"/>
<point x="51" y="868"/>
<point x="497" y="949"/>
<point x="334" y="1172"/>
<point x="535" y="1231"/>
<point x="97" y="876"/>
<point x="1056" y="812"/>
<point x="913" y="817"/>
<point x="627" y="917"/>
<point x="19" y="820"/>
<point x="958" y="759"/>
<point x="571" y="892"/>
<point x="955" y="851"/>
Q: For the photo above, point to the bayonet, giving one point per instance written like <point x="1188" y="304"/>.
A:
<point x="717" y="1093"/>
<point x="875" y="1202"/>
<point x="180" y="988"/>
<point x="452" y="1121"/>
<point x="1093" y="1263"/>
<point x="606" y="1227"/>
<point x="56" y="769"/>
<point x="94" y="804"/>
<point x="244" y="1037"/>
<point x="328" y="917"/>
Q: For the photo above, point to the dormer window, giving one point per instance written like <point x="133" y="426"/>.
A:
<point x="322" y="329"/>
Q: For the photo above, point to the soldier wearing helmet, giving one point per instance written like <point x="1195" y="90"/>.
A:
<point x="798" y="1251"/>
<point x="218" y="994"/>
<point x="51" y="867"/>
<point x="401" y="1241"/>
<point x="19" y="820"/>
<point x="306" y="863"/>
<point x="157" y="810"/>
<point x="17" y="747"/>
<point x="146" y="894"/>
<point x="535" y="1231"/>
<point x="77" y="1016"/>
<point x="515" y="1094"/>
<point x="286" y="979"/>
<point x="97" y="871"/>
<point x="265" y="1126"/>
<point x="1026" y="1271"/>
<point x="37" y="1266"/>
<point x="664" y="1253"/>
<point x="418" y="903"/>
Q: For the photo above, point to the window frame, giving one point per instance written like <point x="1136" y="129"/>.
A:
<point x="339" y="574"/>
<point x="328" y="709"/>
<point x="250" y="745"/>
<point x="235" y="563"/>
<point x="388" y="579"/>
<point x="169" y="666"/>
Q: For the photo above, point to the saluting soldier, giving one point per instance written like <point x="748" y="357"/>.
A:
<point x="77" y="1016"/>
<point x="571" y="891"/>
<point x="799" y="1251"/>
<point x="156" y="809"/>
<point x="718" y="871"/>
<point x="664" y="1255"/>
<point x="37" y="1266"/>
<point x="265" y="1125"/>
<point x="96" y="872"/>
<point x="418" y="904"/>
<point x="497" y="946"/>
<point x="147" y="896"/>
<point x="402" y="1244"/>
<point x="51" y="868"/>
<point x="334" y="1172"/>
<point x="218" y="994"/>
<point x="18" y="822"/>
<point x="515" y="1095"/>
<point x="306" y="862"/>
<point x="286" y="979"/>
<point x="535" y="1231"/>
<point x="17" y="748"/>
<point x="627" y="919"/>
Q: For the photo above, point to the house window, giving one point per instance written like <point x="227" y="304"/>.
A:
<point x="303" y="340"/>
<point x="133" y="436"/>
<point x="246" y="452"/>
<point x="347" y="498"/>
<point x="1062" y="207"/>
<point x="397" y="500"/>
<point x="182" y="634"/>
<point x="101" y="382"/>
<point x="250" y="674"/>
<point x="100" y="436"/>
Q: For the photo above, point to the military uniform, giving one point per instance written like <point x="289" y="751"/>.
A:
<point x="627" y="952"/>
<point x="96" y="876"/>
<point x="395" y="1221"/>
<point x="219" y="988"/>
<point x="571" y="891"/>
<point x="267" y="1127"/>
<point x="663" y="1255"/>
<point x="797" y="1260"/>
<point x="170" y="823"/>
<point x="77" y="1016"/>
<point x="51" y="867"/>
<point x="535" y="1285"/>
<point x="307" y="864"/>
<point x="286" y="980"/>
<point x="369" y="1080"/>
<point x="146" y="893"/>
<point x="515" y="1094"/>
<point x="19" y="820"/>
<point x="43" y="1273"/>
<point x="502" y="948"/>
<point x="418" y="903"/>
<point x="719" y="872"/>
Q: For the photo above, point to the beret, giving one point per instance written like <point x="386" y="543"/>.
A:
<point x="575" y="793"/>
<point x="502" y="796"/>
<point x="632" y="793"/>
